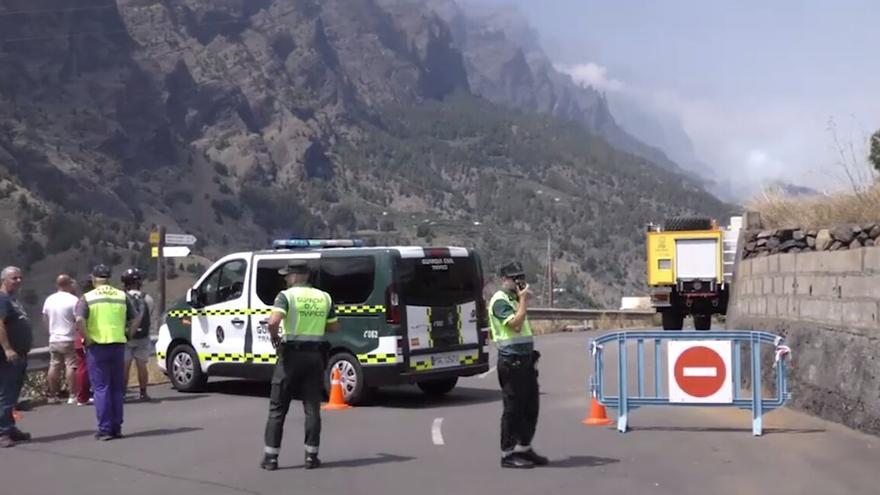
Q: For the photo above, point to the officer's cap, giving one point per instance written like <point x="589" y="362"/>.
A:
<point x="295" y="266"/>
<point x="101" y="271"/>
<point x="514" y="269"/>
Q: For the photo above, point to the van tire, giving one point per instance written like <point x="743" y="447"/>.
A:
<point x="185" y="370"/>
<point x="438" y="388"/>
<point x="703" y="322"/>
<point x="672" y="320"/>
<point x="678" y="224"/>
<point x="353" y="387"/>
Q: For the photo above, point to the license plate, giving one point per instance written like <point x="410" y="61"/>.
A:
<point x="444" y="361"/>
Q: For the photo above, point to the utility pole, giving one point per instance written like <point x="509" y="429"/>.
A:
<point x="549" y="283"/>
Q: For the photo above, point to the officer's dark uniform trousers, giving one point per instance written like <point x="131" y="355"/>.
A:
<point x="518" y="377"/>
<point x="298" y="375"/>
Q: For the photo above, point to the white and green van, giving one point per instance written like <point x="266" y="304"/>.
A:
<point x="408" y="315"/>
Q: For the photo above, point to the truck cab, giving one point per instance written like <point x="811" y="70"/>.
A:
<point x="689" y="263"/>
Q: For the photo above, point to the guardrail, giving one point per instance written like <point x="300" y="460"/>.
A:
<point x="735" y="340"/>
<point x="587" y="314"/>
<point x="38" y="359"/>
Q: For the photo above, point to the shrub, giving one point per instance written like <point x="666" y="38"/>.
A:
<point x="226" y="207"/>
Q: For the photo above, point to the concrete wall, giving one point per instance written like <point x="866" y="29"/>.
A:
<point x="826" y="304"/>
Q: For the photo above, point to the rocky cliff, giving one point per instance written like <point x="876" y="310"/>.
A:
<point x="239" y="120"/>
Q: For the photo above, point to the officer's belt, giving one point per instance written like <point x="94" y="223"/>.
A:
<point x="306" y="345"/>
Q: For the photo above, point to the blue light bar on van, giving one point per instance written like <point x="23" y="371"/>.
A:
<point x="315" y="243"/>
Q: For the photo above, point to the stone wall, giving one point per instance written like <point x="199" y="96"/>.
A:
<point x="768" y="242"/>
<point x="826" y="306"/>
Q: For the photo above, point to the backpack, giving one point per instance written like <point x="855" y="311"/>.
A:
<point x="140" y="305"/>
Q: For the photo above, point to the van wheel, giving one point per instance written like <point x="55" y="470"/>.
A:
<point x="703" y="322"/>
<point x="185" y="370"/>
<point x="351" y="376"/>
<point x="672" y="320"/>
<point x="438" y="388"/>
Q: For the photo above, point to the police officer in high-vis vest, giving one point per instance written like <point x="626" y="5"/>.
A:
<point x="103" y="316"/>
<point x="306" y="313"/>
<point x="517" y="372"/>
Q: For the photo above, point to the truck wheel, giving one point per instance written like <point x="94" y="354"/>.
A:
<point x="672" y="320"/>
<point x="687" y="223"/>
<point x="184" y="369"/>
<point x="351" y="374"/>
<point x="438" y="388"/>
<point x="703" y="322"/>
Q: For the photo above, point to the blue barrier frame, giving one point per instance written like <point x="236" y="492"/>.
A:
<point x="623" y="402"/>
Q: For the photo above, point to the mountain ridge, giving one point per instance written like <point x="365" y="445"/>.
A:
<point x="240" y="121"/>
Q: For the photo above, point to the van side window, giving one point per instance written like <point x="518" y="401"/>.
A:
<point x="268" y="282"/>
<point x="348" y="280"/>
<point x="225" y="284"/>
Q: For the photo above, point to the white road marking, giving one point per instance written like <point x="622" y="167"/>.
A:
<point x="436" y="433"/>
<point x="484" y="375"/>
<point x="700" y="371"/>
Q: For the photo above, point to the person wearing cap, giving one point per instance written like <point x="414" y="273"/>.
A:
<point x="103" y="315"/>
<point x="306" y="314"/>
<point x="139" y="348"/>
<point x="517" y="371"/>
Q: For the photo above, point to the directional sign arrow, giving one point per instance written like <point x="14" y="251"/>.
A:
<point x="180" y="239"/>
<point x="171" y="252"/>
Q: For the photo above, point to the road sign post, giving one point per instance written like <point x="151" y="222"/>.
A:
<point x="180" y="239"/>
<point x="171" y="252"/>
<point x="161" y="270"/>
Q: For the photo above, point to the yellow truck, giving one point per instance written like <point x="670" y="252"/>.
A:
<point x="689" y="269"/>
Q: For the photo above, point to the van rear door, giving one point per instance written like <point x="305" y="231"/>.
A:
<point x="440" y="291"/>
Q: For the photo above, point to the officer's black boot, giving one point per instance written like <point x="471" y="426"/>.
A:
<point x="312" y="461"/>
<point x="270" y="462"/>
<point x="514" y="461"/>
<point x="534" y="457"/>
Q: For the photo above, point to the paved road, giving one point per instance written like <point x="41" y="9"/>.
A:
<point x="211" y="443"/>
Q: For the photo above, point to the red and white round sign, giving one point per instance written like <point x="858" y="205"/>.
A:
<point x="699" y="371"/>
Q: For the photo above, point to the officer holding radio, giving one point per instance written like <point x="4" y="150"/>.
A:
<point x="517" y="371"/>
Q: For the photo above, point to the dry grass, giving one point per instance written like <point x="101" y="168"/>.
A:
<point x="814" y="212"/>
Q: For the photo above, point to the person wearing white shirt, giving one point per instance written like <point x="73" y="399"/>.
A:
<point x="58" y="315"/>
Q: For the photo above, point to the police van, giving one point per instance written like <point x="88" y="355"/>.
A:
<point x="407" y="314"/>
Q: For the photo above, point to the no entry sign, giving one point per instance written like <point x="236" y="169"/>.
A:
<point x="699" y="371"/>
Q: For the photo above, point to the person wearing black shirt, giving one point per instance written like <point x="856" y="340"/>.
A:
<point x="16" y="339"/>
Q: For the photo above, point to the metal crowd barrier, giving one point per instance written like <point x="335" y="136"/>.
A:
<point x="624" y="402"/>
<point x="38" y="359"/>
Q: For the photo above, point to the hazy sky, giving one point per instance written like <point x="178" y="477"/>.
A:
<point x="754" y="82"/>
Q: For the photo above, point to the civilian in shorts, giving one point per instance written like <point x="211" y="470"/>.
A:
<point x="58" y="315"/>
<point x="139" y="348"/>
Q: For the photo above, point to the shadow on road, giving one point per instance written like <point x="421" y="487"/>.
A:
<point x="245" y="388"/>
<point x="578" y="461"/>
<point x="767" y="431"/>
<point x="367" y="461"/>
<point x="161" y="432"/>
<point x="413" y="398"/>
<point x="159" y="400"/>
<point x="399" y="397"/>
<point x="70" y="435"/>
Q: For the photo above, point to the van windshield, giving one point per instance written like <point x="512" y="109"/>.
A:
<point x="438" y="281"/>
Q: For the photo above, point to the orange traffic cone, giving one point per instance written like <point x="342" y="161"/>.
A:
<point x="337" y="398"/>
<point x="597" y="416"/>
